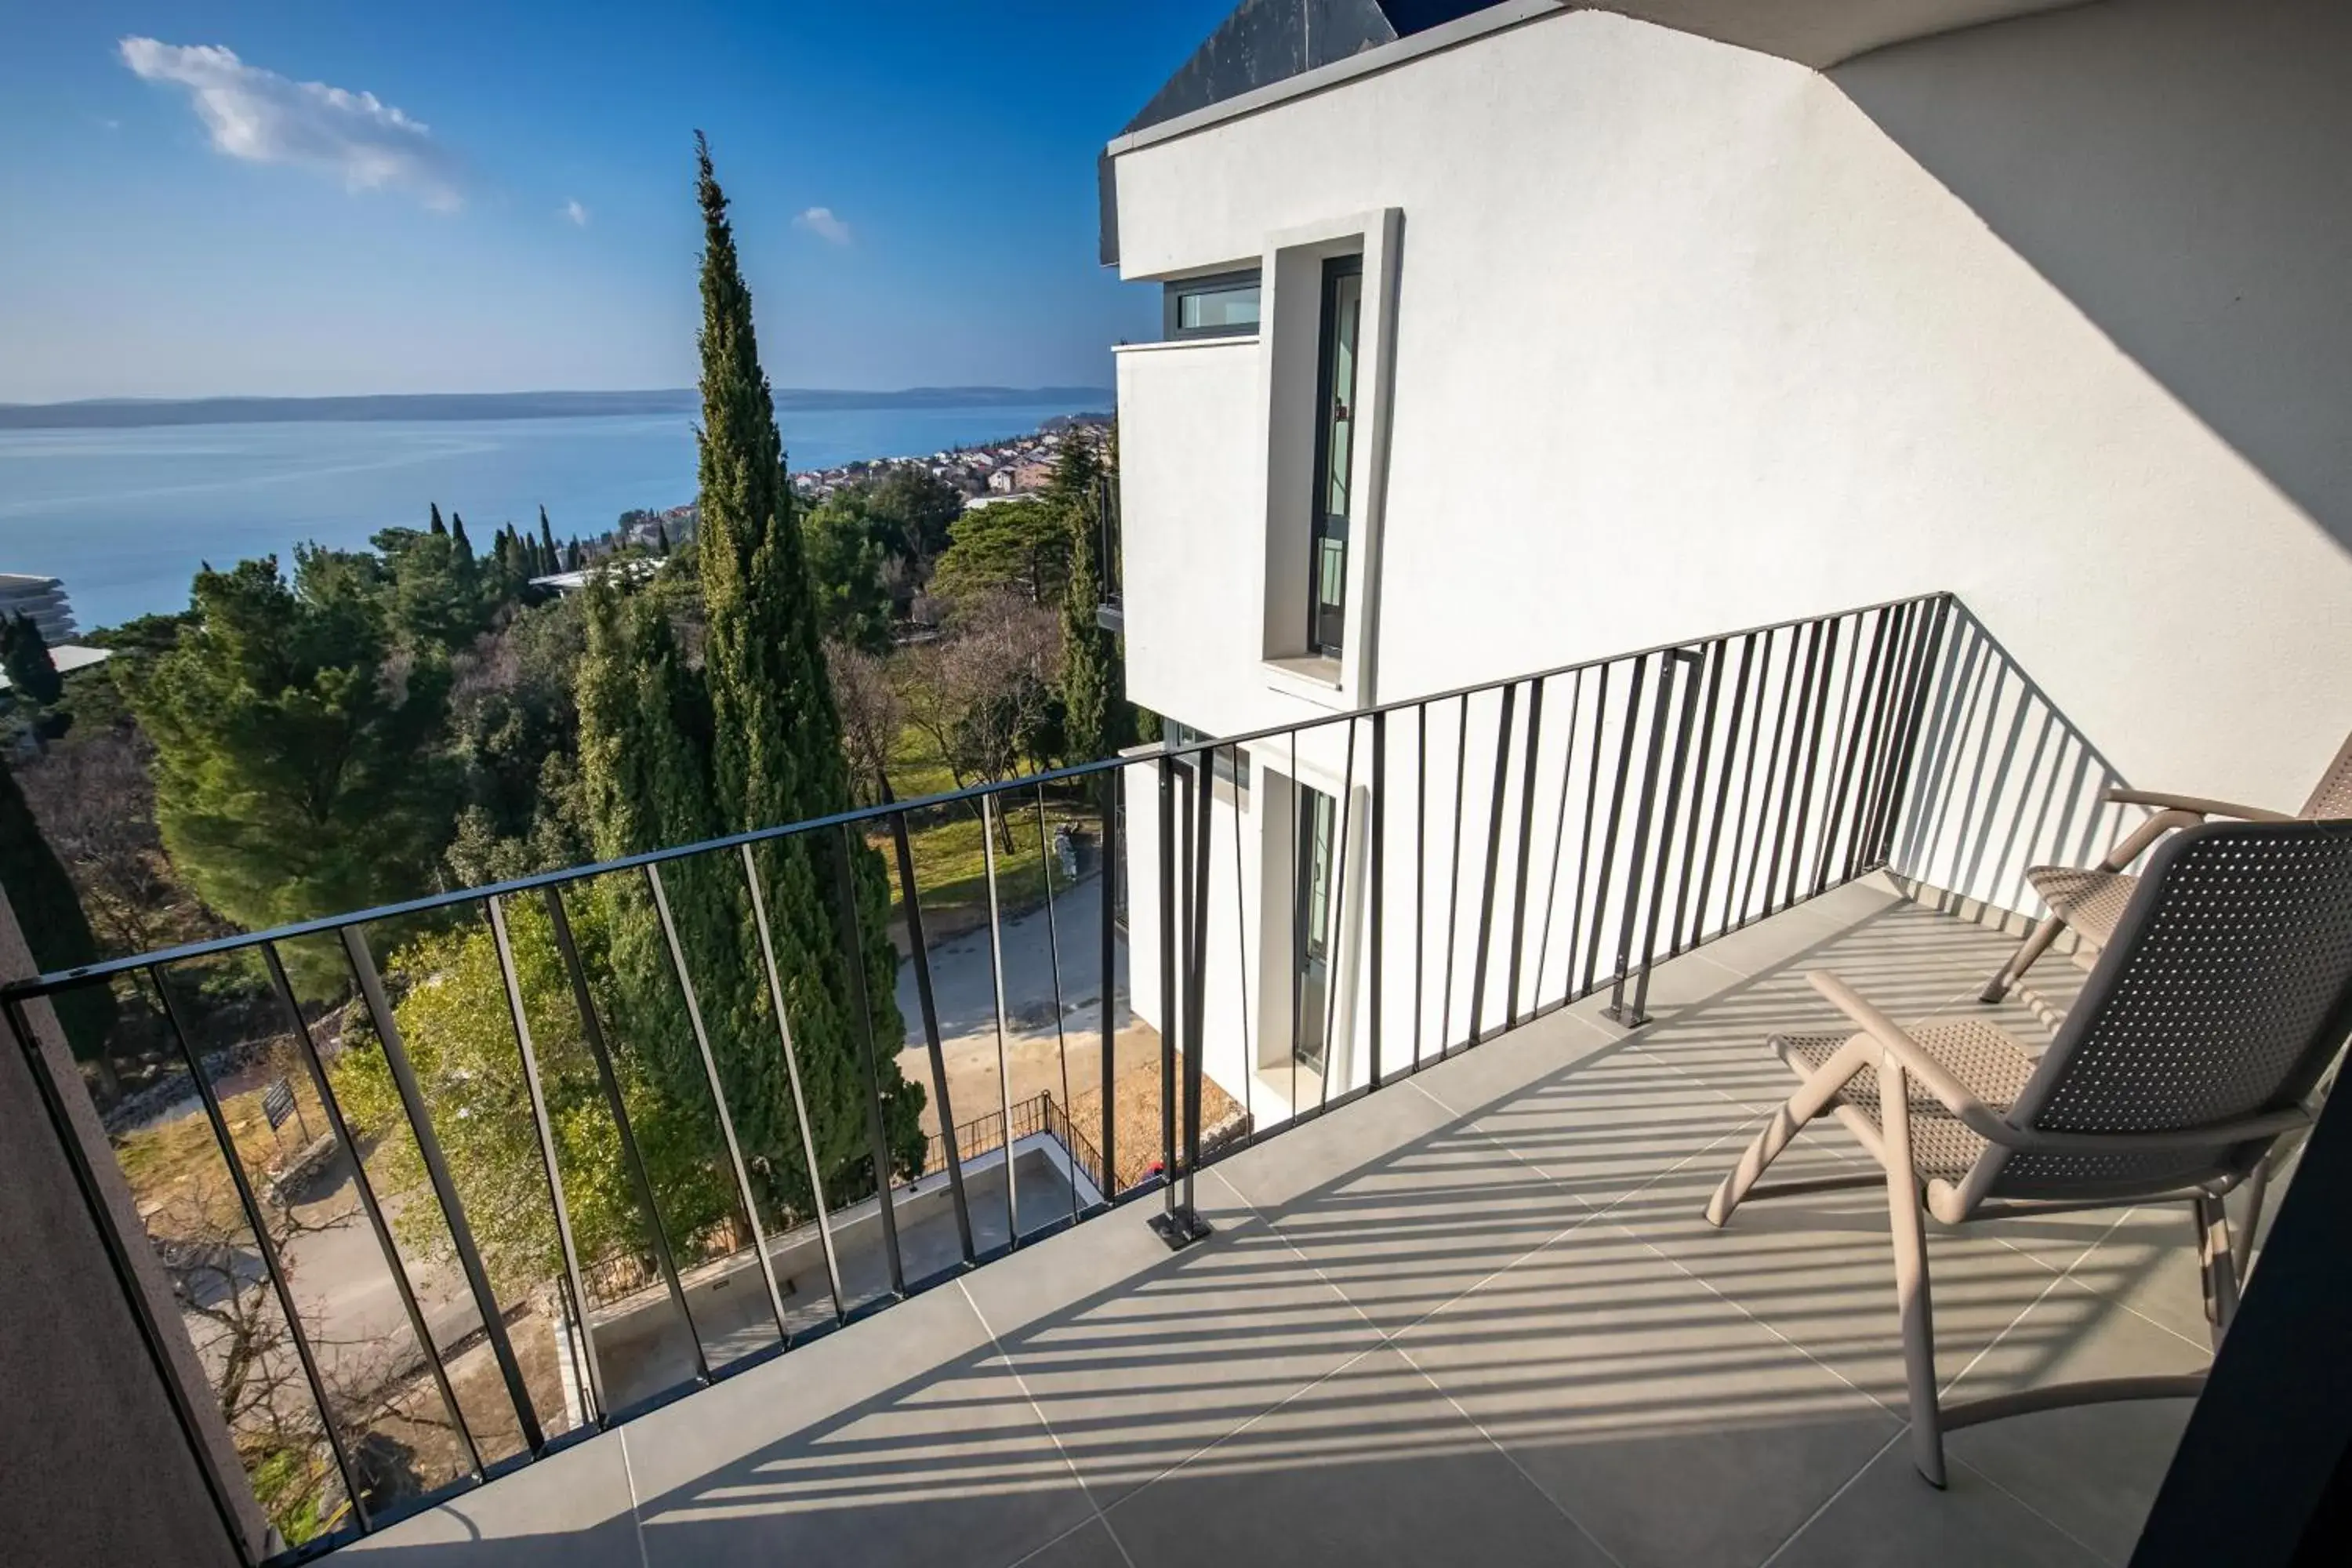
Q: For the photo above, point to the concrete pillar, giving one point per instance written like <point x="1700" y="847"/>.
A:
<point x="98" y="1467"/>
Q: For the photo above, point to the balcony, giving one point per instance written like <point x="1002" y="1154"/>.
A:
<point x="1480" y="1306"/>
<point x="1445" y="1282"/>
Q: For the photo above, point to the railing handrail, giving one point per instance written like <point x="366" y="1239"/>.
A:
<point x="45" y="985"/>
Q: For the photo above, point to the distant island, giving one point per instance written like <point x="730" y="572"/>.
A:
<point x="123" y="412"/>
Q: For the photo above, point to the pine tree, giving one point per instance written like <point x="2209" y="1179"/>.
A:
<point x="24" y="656"/>
<point x="50" y="914"/>
<point x="776" y="735"/>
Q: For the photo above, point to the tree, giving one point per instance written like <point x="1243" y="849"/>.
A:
<point x="295" y="750"/>
<point x="546" y="540"/>
<point x="845" y="570"/>
<point x="462" y="547"/>
<point x="1094" y="679"/>
<point x="1021" y="546"/>
<point x="439" y="529"/>
<point x="871" y="715"/>
<point x="24" y="655"/>
<point x="983" y="694"/>
<point x="661" y="540"/>
<point x="776" y="755"/>
<point x="913" y="509"/>
<point x="514" y="728"/>
<point x="54" y="928"/>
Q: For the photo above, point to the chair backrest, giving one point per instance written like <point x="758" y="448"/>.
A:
<point x="2332" y="796"/>
<point x="2225" y="992"/>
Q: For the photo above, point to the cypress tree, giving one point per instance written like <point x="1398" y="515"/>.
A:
<point x="439" y="529"/>
<point x="24" y="655"/>
<point x="460" y="543"/>
<point x="776" y="751"/>
<point x="49" y="913"/>
<point x="661" y="539"/>
<point x="546" y="536"/>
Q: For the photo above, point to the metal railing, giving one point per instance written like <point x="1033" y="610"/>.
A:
<point x="1499" y="851"/>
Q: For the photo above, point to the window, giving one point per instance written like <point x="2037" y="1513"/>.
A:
<point x="1224" y="306"/>
<point x="1312" y="931"/>
<point x="1335" y="450"/>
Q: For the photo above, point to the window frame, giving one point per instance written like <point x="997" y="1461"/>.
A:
<point x="1174" y="291"/>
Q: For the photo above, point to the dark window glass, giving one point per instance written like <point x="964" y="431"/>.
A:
<point x="1335" y="451"/>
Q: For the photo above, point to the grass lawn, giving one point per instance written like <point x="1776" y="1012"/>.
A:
<point x="170" y="1164"/>
<point x="952" y="864"/>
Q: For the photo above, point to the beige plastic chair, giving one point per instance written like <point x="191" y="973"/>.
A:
<point x="2092" y="901"/>
<point x="2191" y="1052"/>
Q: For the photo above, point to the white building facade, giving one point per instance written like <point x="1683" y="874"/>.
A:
<point x="1539" y="334"/>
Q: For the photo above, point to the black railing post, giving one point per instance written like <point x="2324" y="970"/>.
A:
<point x="1378" y="875"/>
<point x="1666" y="833"/>
<point x="1643" y="815"/>
<point x="1113" y="782"/>
<point x="592" y="1029"/>
<point x="1494" y="860"/>
<point x="1631" y="727"/>
<point x="1168" y="1002"/>
<point x="918" y="953"/>
<point x="1003" y="1027"/>
<point x="1526" y="840"/>
<point x="844" y="879"/>
<point x="566" y="1247"/>
<point x="445" y="1190"/>
<point x="1180" y="1225"/>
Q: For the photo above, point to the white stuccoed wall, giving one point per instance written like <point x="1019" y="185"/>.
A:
<point x="1689" y="339"/>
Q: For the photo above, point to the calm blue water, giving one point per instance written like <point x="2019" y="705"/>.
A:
<point x="125" y="516"/>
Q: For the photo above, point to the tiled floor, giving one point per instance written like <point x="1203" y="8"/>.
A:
<point x="1476" y="1316"/>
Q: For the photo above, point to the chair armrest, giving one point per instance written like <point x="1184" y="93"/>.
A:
<point x="1994" y="1128"/>
<point x="2202" y="807"/>
<point x="2136" y="843"/>
<point x="1938" y="1078"/>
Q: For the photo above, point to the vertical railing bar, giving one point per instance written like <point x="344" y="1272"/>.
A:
<point x="1188" y="958"/>
<point x="317" y="1069"/>
<point x="1609" y="836"/>
<point x="1717" y="654"/>
<point x="592" y="1029"/>
<point x="1731" y="750"/>
<point x="1754" y="855"/>
<point x="918" y="952"/>
<point x="1454" y="880"/>
<point x="1054" y="956"/>
<point x="718" y="1089"/>
<point x="1377" y="872"/>
<point x="1796" y="749"/>
<point x="996" y="980"/>
<point x="1961" y="740"/>
<point x="1333" y="944"/>
<point x="1879" y="704"/>
<point x="1666" y="828"/>
<point x="1843" y="740"/>
<point x="1241" y="956"/>
<point x="1813" y="755"/>
<point x="1420" y="874"/>
<point x="1861" y="749"/>
<point x="861" y="1005"/>
<point x="1204" y="802"/>
<point x="1113" y="785"/>
<point x="1297" y="920"/>
<point x="445" y="1190"/>
<point x="502" y="944"/>
<point x="263" y="1242"/>
<point x="1494" y="857"/>
<point x="1643" y="815"/>
<point x="1571" y="991"/>
<point x="1527" y="842"/>
<point x="1558" y="833"/>
<point x="126" y="1278"/>
<point x="793" y="1077"/>
<point x="1930" y="634"/>
<point x="1170" y="1004"/>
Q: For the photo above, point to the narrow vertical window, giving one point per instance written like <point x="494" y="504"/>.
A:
<point x="1312" y="928"/>
<point x="1335" y="447"/>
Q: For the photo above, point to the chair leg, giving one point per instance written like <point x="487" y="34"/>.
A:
<point x="2216" y="1261"/>
<point x="2024" y="959"/>
<point x="1907" y="1223"/>
<point x="1811" y="1100"/>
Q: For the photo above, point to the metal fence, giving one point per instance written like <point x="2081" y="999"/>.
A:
<point x="1505" y="848"/>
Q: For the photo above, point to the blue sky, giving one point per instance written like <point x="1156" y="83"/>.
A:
<point x="488" y="196"/>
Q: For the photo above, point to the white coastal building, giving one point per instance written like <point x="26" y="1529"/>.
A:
<point x="1504" y="337"/>
<point x="42" y="598"/>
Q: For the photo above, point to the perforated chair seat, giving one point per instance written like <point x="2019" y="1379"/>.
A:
<point x="2092" y="902"/>
<point x="1982" y="1056"/>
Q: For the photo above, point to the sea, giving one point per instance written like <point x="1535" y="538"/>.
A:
<point x="125" y="516"/>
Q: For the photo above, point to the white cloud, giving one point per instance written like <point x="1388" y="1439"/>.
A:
<point x="820" y="222"/>
<point x="571" y="212"/>
<point x="265" y="118"/>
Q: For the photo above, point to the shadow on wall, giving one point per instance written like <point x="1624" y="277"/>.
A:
<point x="2001" y="781"/>
<point x="2176" y="169"/>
